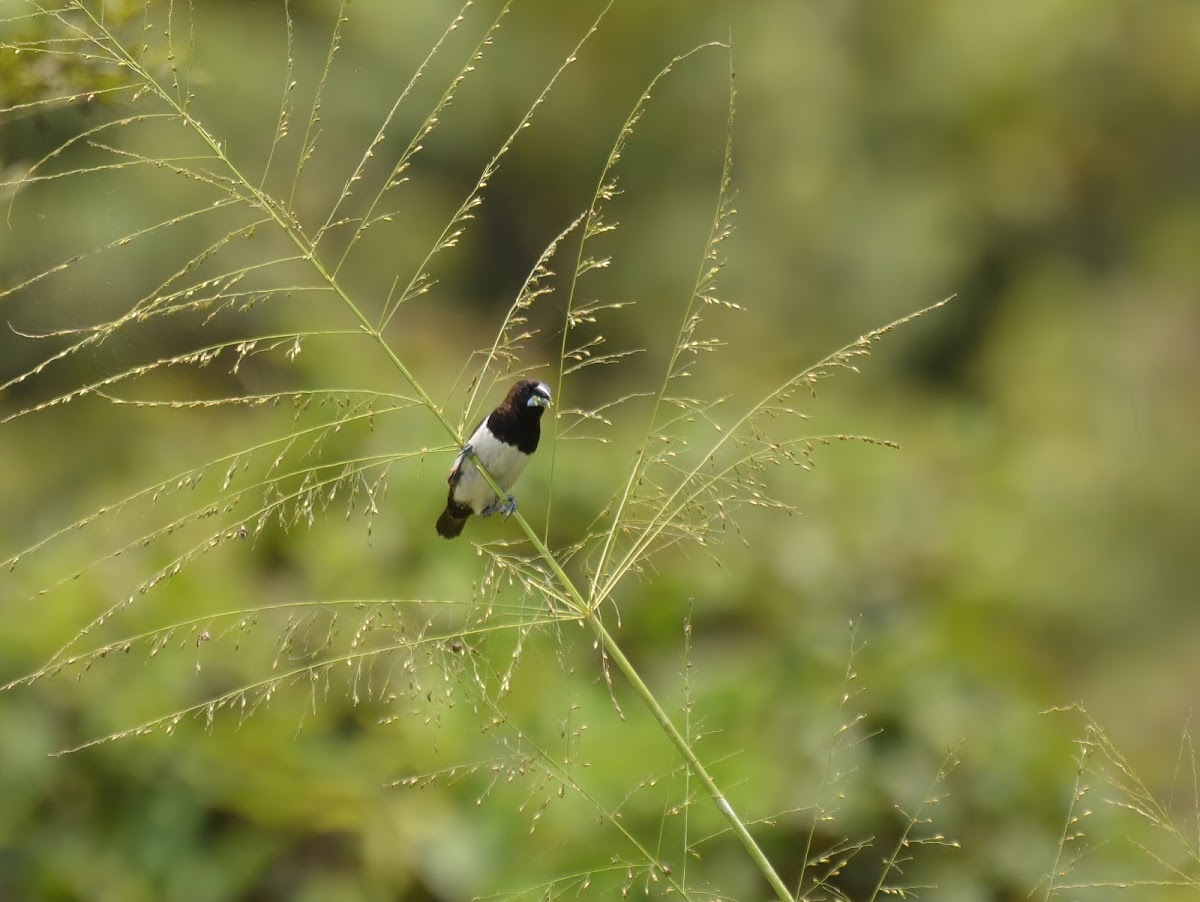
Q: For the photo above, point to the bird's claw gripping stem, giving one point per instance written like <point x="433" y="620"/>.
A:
<point x="506" y="507"/>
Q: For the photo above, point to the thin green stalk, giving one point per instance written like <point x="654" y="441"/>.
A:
<point x="581" y="607"/>
<point x="606" y="189"/>
<point x="292" y="230"/>
<point x="648" y="699"/>
<point x="1077" y="793"/>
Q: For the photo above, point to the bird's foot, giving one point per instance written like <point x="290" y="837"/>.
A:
<point x="467" y="451"/>
<point x="506" y="507"/>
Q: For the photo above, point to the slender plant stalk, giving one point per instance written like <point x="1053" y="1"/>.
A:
<point x="648" y="699"/>
<point x="297" y="237"/>
<point x="1077" y="793"/>
<point x="681" y="743"/>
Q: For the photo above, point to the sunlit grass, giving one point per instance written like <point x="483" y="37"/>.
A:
<point x="699" y="462"/>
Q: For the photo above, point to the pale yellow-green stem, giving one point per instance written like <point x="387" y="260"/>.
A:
<point x="578" y="604"/>
<point x="613" y="650"/>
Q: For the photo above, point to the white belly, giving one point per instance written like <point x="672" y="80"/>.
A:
<point x="504" y="462"/>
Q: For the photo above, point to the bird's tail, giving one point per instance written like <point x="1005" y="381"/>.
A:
<point x="449" y="526"/>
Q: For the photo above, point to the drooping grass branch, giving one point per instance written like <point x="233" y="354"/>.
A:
<point x="661" y="500"/>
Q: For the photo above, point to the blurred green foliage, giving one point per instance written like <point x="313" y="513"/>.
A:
<point x="1033" y="544"/>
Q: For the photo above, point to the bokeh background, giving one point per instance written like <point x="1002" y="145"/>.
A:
<point x="1033" y="545"/>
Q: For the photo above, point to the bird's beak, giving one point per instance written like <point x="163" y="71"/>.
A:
<point x="538" y="401"/>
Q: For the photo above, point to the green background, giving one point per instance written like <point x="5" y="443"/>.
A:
<point x="1034" y="544"/>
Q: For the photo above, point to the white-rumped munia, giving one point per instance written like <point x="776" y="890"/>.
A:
<point x="502" y="444"/>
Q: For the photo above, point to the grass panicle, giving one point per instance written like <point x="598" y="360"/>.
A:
<point x="1159" y="853"/>
<point x="268" y="294"/>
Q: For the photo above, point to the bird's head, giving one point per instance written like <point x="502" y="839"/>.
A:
<point x="537" y="394"/>
<point x="528" y="395"/>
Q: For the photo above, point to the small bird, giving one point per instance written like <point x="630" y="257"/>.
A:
<point x="503" y="444"/>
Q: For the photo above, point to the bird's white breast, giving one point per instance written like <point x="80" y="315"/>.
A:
<point x="502" y="460"/>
